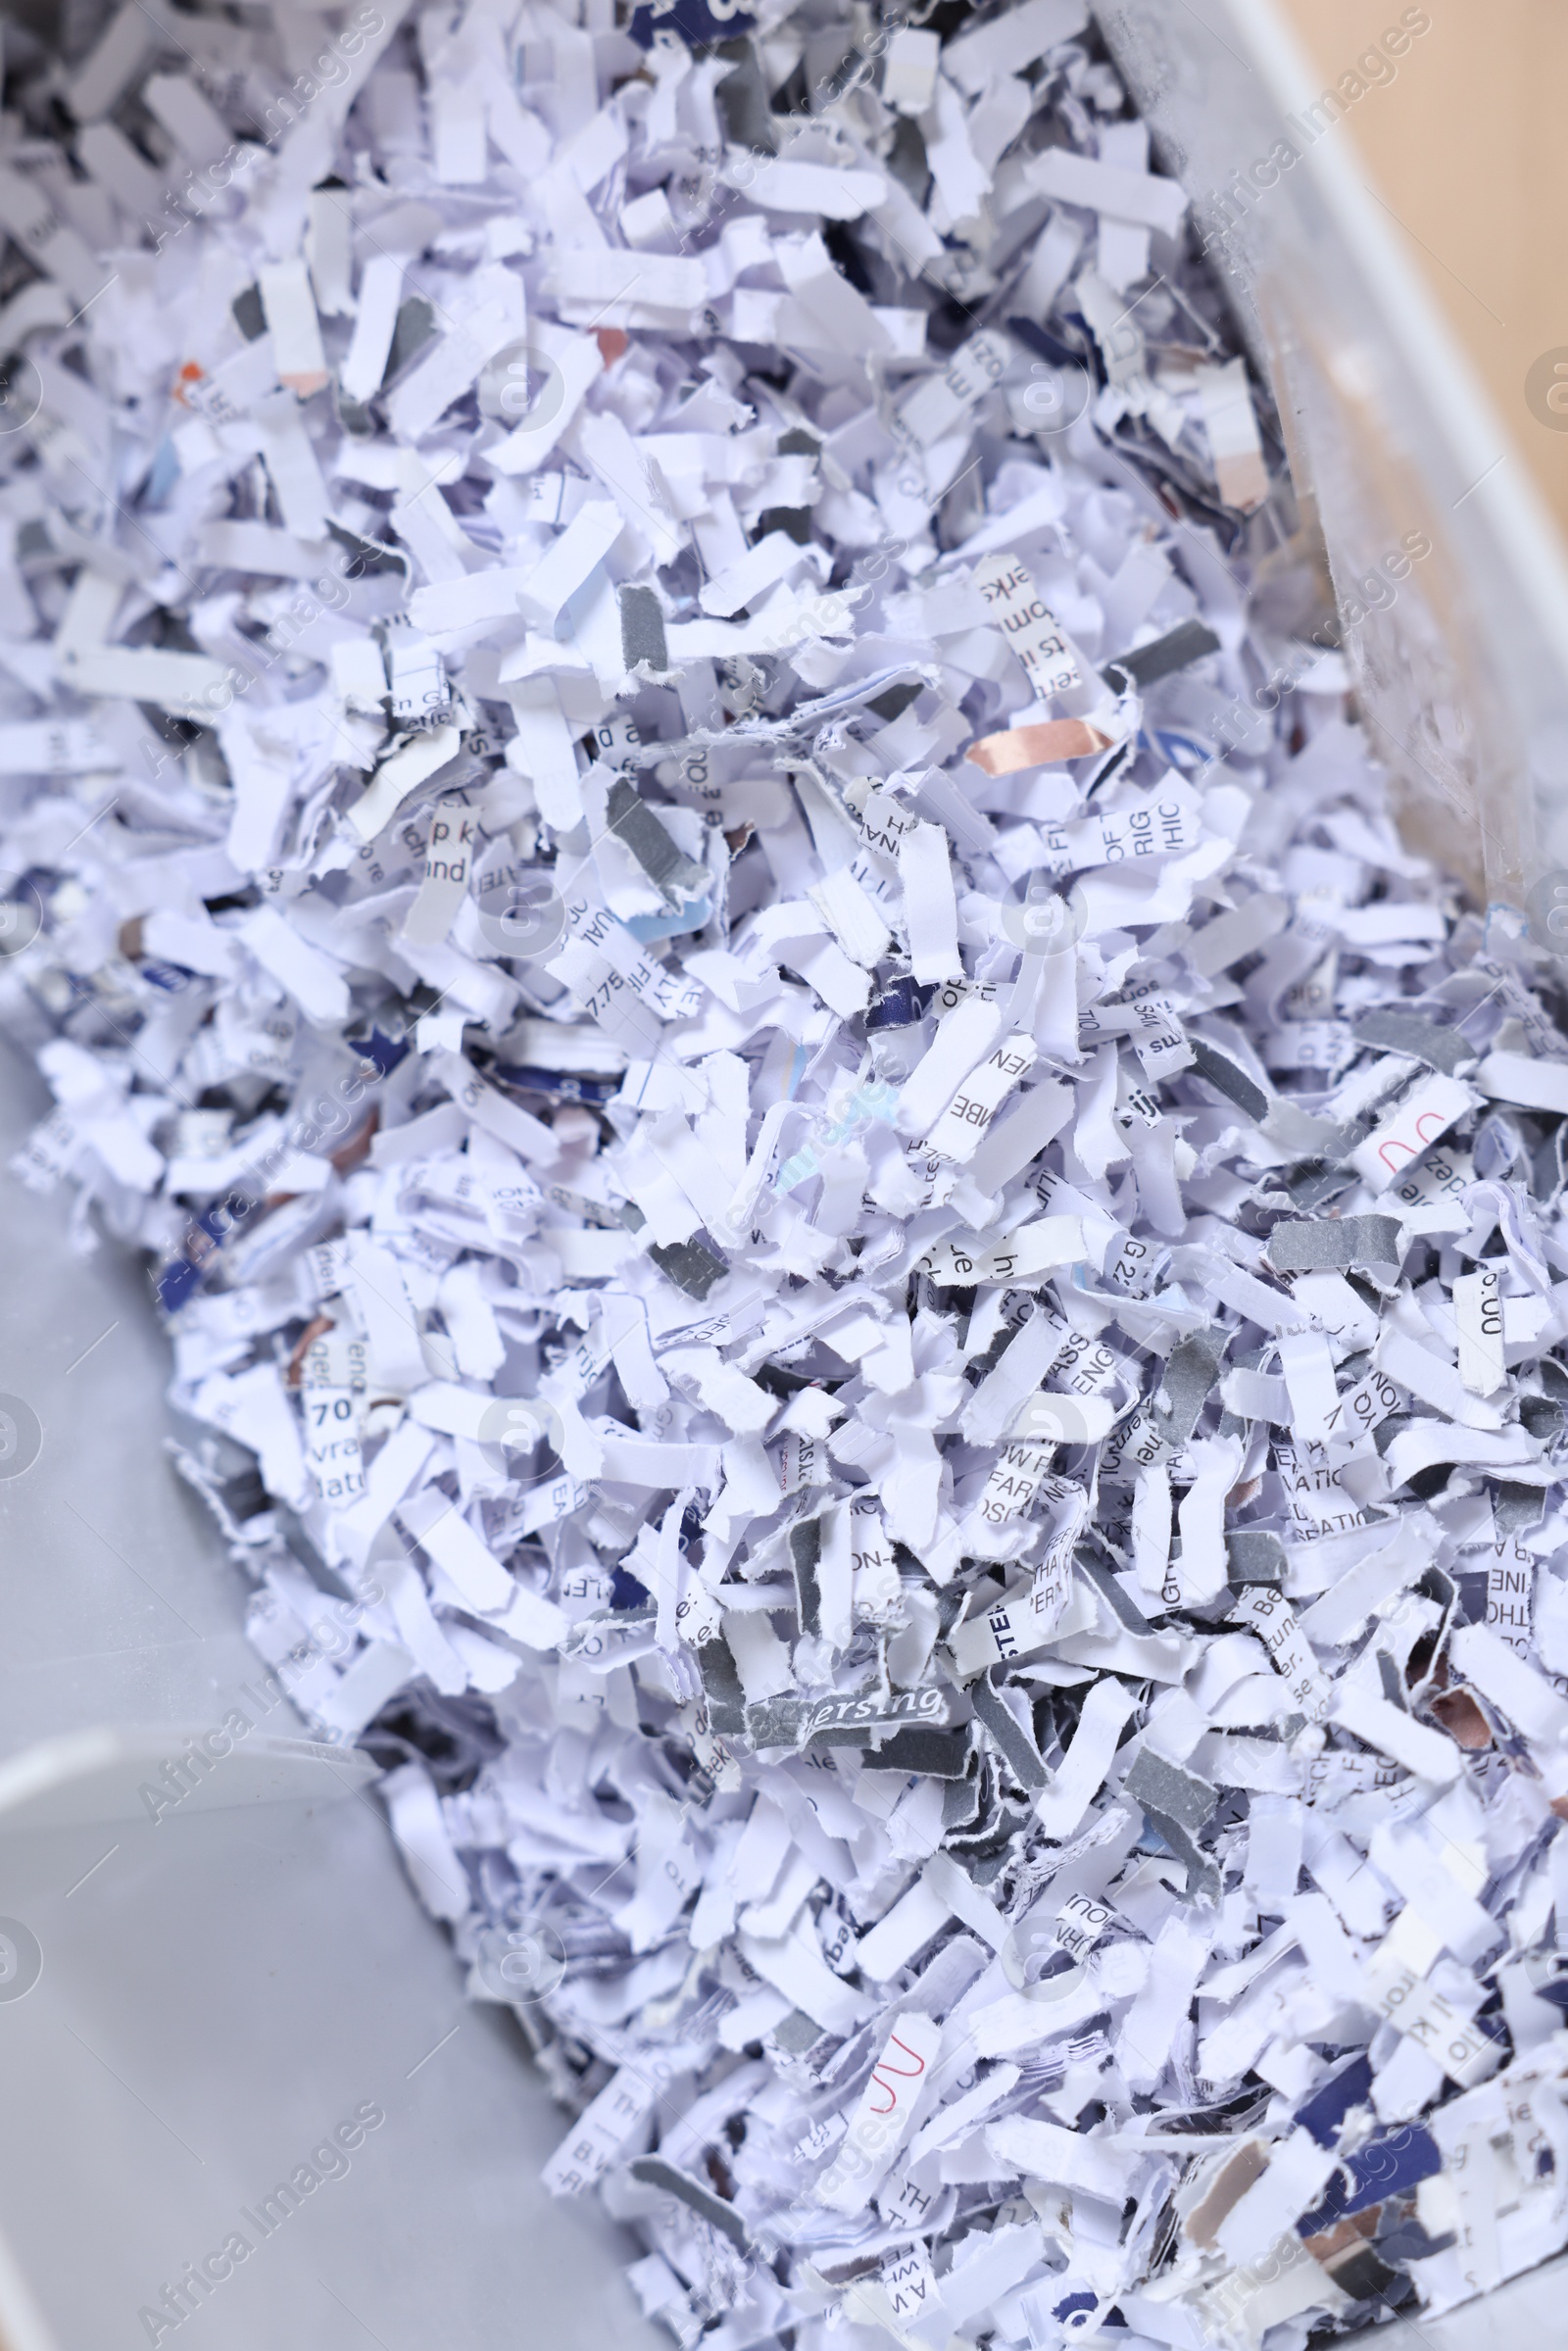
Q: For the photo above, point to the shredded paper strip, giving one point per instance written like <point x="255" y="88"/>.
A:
<point x="868" y="1276"/>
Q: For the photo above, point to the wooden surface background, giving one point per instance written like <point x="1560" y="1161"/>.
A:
<point x="1467" y="149"/>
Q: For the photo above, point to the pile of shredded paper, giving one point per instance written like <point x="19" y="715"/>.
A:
<point x="865" y="1271"/>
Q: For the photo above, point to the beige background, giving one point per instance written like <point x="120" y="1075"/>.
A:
<point x="1468" y="149"/>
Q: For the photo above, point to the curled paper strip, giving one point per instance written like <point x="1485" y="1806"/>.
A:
<point x="1042" y="745"/>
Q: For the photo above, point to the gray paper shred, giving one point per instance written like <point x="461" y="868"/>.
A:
<point x="689" y="1265"/>
<point x="1255" y="1556"/>
<point x="797" y="2032"/>
<point x="1188" y="1379"/>
<point x="1223" y="1074"/>
<point x="1516" y="1506"/>
<point x="415" y="328"/>
<point x="1170" y="1790"/>
<point x="653" y="2171"/>
<point x="1396" y="1032"/>
<point x="634" y="822"/>
<point x="726" y="1701"/>
<point x="1344" y="1241"/>
<point x="1014" y="1742"/>
<point x="1203" y="1878"/>
<point x="743" y="98"/>
<point x="1178" y="649"/>
<point x="931" y="1754"/>
<point x="642" y="628"/>
<point x="1112" y="1589"/>
<point x="806" y="1549"/>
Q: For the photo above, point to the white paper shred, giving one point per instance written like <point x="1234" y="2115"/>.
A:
<point x="820" y="1177"/>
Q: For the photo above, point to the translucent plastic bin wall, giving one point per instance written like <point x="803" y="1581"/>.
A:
<point x="1463" y="675"/>
<point x="1464" y="670"/>
<point x="192" y="2005"/>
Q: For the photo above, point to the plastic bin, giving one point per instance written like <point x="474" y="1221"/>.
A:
<point x="1464" y="670"/>
<point x="1463" y="674"/>
<point x="193" y="2008"/>
<point x="190" y="2007"/>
